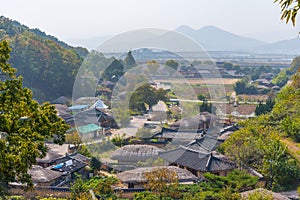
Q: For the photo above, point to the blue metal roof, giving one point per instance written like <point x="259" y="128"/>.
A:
<point x="78" y="107"/>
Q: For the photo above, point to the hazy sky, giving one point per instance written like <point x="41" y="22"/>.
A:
<point x="67" y="19"/>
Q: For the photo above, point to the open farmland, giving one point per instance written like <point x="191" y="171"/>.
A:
<point x="194" y="81"/>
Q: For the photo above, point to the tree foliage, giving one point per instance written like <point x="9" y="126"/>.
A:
<point x="258" y="145"/>
<point x="281" y="79"/>
<point x="101" y="186"/>
<point x="48" y="66"/>
<point x="24" y="125"/>
<point x="95" y="164"/>
<point x="146" y="94"/>
<point x="265" y="108"/>
<point x="172" y="63"/>
<point x="114" y="71"/>
<point x="160" y="180"/>
<point x="129" y="61"/>
<point x="289" y="10"/>
<point x="75" y="139"/>
<point x="243" y="87"/>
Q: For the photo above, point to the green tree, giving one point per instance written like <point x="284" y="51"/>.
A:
<point x="119" y="140"/>
<point x="84" y="150"/>
<point x="78" y="188"/>
<point x="75" y="139"/>
<point x="146" y="94"/>
<point x="102" y="186"/>
<point x="278" y="167"/>
<point x="129" y="61"/>
<point x="201" y="97"/>
<point x="95" y="164"/>
<point x="281" y="79"/>
<point x="24" y="125"/>
<point x="114" y="71"/>
<point x="265" y="108"/>
<point x="172" y="63"/>
<point x="243" y="87"/>
<point x="160" y="180"/>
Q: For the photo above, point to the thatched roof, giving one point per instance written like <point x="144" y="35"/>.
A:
<point x="159" y="107"/>
<point x="55" y="152"/>
<point x="62" y="100"/>
<point x="135" y="153"/>
<point x="43" y="175"/>
<point x="264" y="192"/>
<point x="206" y="117"/>
<point x="63" y="111"/>
<point x="138" y="175"/>
<point x="196" y="121"/>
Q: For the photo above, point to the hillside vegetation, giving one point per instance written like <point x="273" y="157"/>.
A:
<point x="48" y="66"/>
<point x="265" y="143"/>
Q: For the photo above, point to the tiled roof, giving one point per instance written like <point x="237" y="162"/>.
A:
<point x="205" y="162"/>
<point x="206" y="143"/>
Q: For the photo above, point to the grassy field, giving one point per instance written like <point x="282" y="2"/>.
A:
<point x="194" y="81"/>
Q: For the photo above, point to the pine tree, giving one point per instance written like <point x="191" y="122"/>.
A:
<point x="129" y="61"/>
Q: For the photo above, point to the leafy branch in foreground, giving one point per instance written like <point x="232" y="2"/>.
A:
<point x="289" y="10"/>
<point x="24" y="126"/>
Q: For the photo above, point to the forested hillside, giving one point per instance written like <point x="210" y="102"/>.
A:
<point x="267" y="142"/>
<point x="48" y="66"/>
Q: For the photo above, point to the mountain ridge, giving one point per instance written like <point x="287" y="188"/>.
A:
<point x="48" y="66"/>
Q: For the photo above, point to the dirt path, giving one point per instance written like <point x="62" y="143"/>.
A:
<point x="293" y="147"/>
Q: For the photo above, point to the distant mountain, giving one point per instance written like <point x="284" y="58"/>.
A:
<point x="90" y="43"/>
<point x="216" y="39"/>
<point x="48" y="66"/>
<point x="291" y="46"/>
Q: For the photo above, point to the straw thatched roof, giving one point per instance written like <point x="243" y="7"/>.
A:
<point x="62" y="100"/>
<point x="135" y="153"/>
<point x="43" y="175"/>
<point x="196" y="121"/>
<point x="138" y="175"/>
<point x="55" y="152"/>
<point x="264" y="192"/>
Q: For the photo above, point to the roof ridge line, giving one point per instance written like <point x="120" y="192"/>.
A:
<point x="208" y="161"/>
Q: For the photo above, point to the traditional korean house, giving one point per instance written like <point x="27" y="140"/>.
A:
<point x="136" y="178"/>
<point x="44" y="177"/>
<point x="71" y="164"/>
<point x="96" y="115"/>
<point x="197" y="162"/>
<point x="65" y="113"/>
<point x="57" y="170"/>
<point x="204" y="144"/>
<point x="89" y="131"/>
<point x="54" y="153"/>
<point x="131" y="154"/>
<point x="202" y="121"/>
